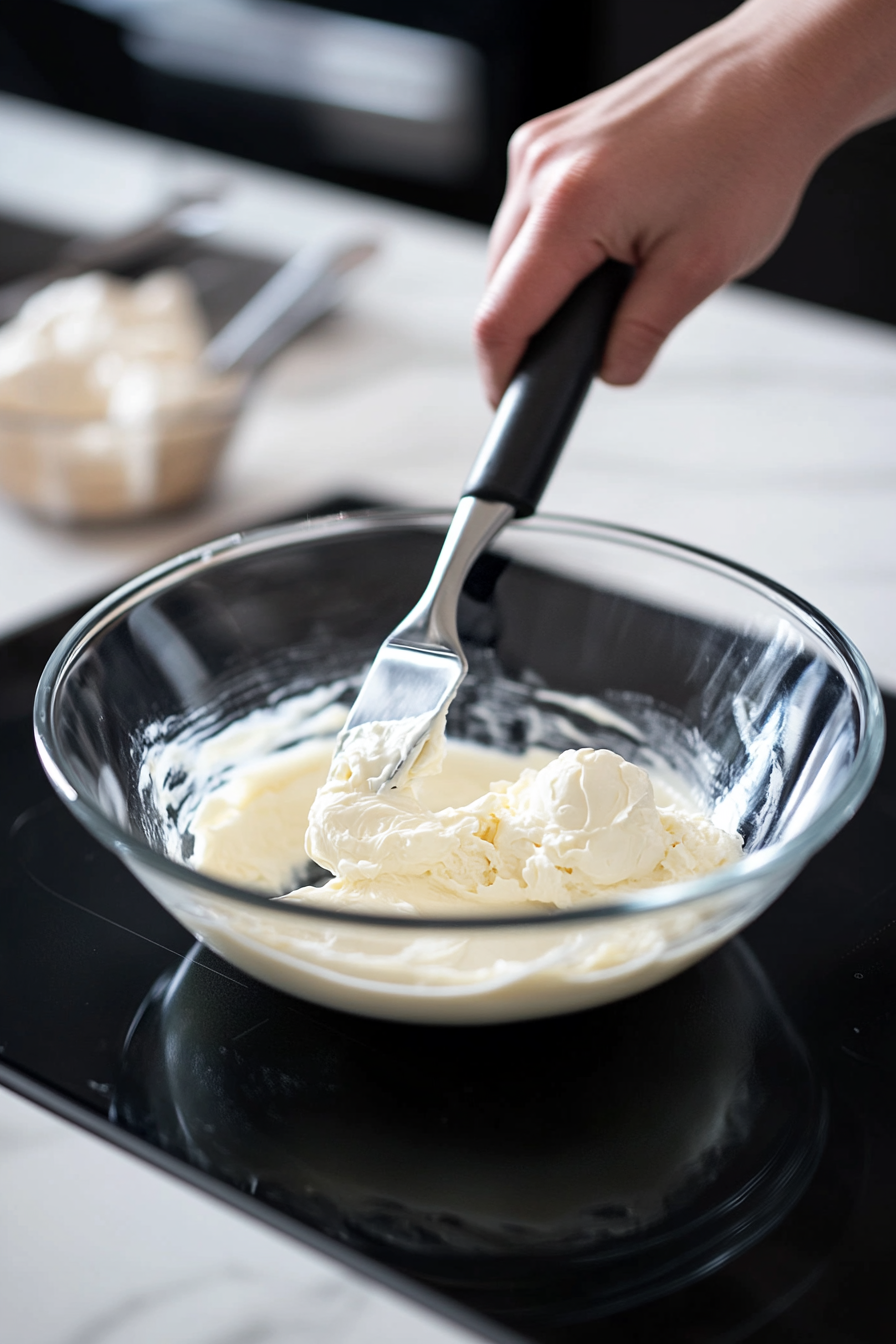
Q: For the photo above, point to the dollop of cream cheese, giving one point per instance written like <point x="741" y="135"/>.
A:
<point x="584" y="826"/>
<point x="99" y="347"/>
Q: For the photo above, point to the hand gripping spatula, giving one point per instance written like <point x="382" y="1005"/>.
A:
<point x="418" y="669"/>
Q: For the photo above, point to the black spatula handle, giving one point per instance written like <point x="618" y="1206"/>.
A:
<point x="539" y="408"/>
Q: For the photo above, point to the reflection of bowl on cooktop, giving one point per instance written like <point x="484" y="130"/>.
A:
<point x="590" y="1161"/>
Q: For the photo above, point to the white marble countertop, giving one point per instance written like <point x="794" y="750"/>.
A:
<point x="767" y="433"/>
<point x="97" y="1247"/>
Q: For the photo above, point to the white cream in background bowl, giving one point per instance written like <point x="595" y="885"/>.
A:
<point x="106" y="407"/>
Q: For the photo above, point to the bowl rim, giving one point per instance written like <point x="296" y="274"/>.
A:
<point x="787" y="856"/>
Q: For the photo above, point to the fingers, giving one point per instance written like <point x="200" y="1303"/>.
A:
<point x="507" y="223"/>
<point x="518" y="193"/>
<point x="663" y="291"/>
<point x="536" y="273"/>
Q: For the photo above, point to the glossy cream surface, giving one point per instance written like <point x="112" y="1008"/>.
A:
<point x="471" y="829"/>
<point x="474" y="832"/>
<point x="582" y="826"/>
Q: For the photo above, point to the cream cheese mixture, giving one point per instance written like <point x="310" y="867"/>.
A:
<point x="470" y="830"/>
<point x="107" y="407"/>
<point x="474" y="832"/>
<point x="99" y="347"/>
<point x="584" y="826"/>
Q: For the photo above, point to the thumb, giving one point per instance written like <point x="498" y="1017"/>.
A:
<point x="662" y="292"/>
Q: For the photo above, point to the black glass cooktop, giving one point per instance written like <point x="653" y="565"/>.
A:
<point x="710" y="1162"/>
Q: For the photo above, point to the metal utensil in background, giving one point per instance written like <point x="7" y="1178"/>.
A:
<point x="189" y="214"/>
<point x="418" y="669"/>
<point x="304" y="288"/>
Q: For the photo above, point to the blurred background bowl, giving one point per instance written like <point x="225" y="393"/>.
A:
<point x="70" y="469"/>
<point x="578" y="633"/>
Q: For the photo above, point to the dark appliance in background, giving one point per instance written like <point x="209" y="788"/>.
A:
<point x="841" y="248"/>
<point x="416" y="99"/>
<point x="411" y="99"/>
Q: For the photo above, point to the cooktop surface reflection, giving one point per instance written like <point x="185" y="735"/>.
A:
<point x="711" y="1161"/>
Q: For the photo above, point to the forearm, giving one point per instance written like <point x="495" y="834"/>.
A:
<point x="831" y="62"/>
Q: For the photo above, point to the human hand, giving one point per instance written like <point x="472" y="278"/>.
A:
<point x="690" y="169"/>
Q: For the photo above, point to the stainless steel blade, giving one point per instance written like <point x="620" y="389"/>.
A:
<point x="405" y="683"/>
<point x="419" y="668"/>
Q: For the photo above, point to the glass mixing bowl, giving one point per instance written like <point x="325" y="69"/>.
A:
<point x="578" y="634"/>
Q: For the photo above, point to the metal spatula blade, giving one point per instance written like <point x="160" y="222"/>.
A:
<point x="407" y="682"/>
<point x="418" y="669"/>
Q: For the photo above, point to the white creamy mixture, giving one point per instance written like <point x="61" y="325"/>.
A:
<point x="470" y="830"/>
<point x="474" y="832"/>
<point x="106" y="406"/>
<point x="98" y="347"/>
<point x="584" y="826"/>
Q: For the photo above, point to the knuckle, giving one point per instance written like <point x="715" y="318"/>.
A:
<point x="520" y="141"/>
<point x="568" y="189"/>
<point x="567" y="204"/>
<point x="490" y="331"/>
<point x="532" y="147"/>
